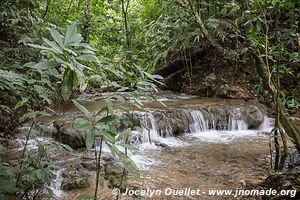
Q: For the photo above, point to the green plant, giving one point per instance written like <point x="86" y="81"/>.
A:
<point x="102" y="127"/>
<point x="68" y="54"/>
<point x="289" y="101"/>
<point x="7" y="184"/>
<point x="224" y="89"/>
<point x="35" y="175"/>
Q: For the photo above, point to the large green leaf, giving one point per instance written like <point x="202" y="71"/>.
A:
<point x="57" y="37"/>
<point x="42" y="47"/>
<point x="109" y="136"/>
<point x="90" y="138"/>
<point x="83" y="109"/>
<point x="67" y="84"/>
<point x="83" y="124"/>
<point x="56" y="48"/>
<point x="126" y="161"/>
<point x="107" y="119"/>
<point x="71" y="32"/>
<point x="88" y="58"/>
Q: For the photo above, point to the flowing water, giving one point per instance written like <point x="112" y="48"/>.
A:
<point x="197" y="143"/>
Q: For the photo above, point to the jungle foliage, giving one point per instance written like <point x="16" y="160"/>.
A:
<point x="50" y="49"/>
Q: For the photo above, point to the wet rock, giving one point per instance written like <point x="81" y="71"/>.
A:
<point x="171" y="122"/>
<point x="254" y="117"/>
<point x="47" y="129"/>
<point x="75" y="179"/>
<point x="219" y="117"/>
<point x="292" y="163"/>
<point x="88" y="163"/>
<point x="68" y="134"/>
<point x="161" y="144"/>
<point x="114" y="173"/>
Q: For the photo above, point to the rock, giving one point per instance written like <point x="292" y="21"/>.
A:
<point x="47" y="129"/>
<point x="161" y="144"/>
<point x="75" y="179"/>
<point x="254" y="117"/>
<point x="88" y="163"/>
<point x="292" y="163"/>
<point x="114" y="173"/>
<point x="68" y="134"/>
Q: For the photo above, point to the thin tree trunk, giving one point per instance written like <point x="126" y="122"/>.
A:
<point x="292" y="131"/>
<point x="126" y="27"/>
<point x="47" y="9"/>
<point x="86" y="28"/>
<point x="203" y="29"/>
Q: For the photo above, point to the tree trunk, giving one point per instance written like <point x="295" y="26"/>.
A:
<point x="203" y="29"/>
<point x="86" y="27"/>
<point x="292" y="131"/>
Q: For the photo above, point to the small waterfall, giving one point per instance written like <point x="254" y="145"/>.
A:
<point x="161" y="125"/>
<point x="237" y="120"/>
<point x="267" y="125"/>
<point x="199" y="123"/>
<point x="55" y="185"/>
<point x="153" y="133"/>
<point x="150" y="132"/>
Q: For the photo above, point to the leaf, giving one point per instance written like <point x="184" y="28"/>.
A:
<point x="33" y="115"/>
<point x="83" y="124"/>
<point x="127" y="162"/>
<point x="71" y="33"/>
<point x="66" y="147"/>
<point x="90" y="138"/>
<point x="42" y="93"/>
<point x="107" y="119"/>
<point x="67" y="85"/>
<point x="129" y="146"/>
<point x="41" y="47"/>
<point x="39" y="174"/>
<point x="88" y="58"/>
<point x="82" y="109"/>
<point x="125" y="134"/>
<point x="21" y="103"/>
<point x="57" y="37"/>
<point x="5" y="170"/>
<point x="54" y="47"/>
<point x="103" y="109"/>
<point x="109" y="136"/>
<point x="7" y="187"/>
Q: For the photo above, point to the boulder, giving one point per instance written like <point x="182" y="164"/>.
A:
<point x="75" y="179"/>
<point x="114" y="173"/>
<point x="255" y="117"/>
<point x="67" y="134"/>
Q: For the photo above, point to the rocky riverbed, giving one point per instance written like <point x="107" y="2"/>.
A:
<point x="184" y="142"/>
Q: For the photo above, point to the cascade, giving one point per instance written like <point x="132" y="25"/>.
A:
<point x="159" y="124"/>
<point x="55" y="184"/>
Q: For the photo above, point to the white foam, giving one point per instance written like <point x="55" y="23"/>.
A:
<point x="143" y="162"/>
<point x="56" y="183"/>
<point x="223" y="136"/>
<point x="32" y="144"/>
<point x="267" y="125"/>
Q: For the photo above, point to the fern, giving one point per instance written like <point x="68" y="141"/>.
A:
<point x="221" y="28"/>
<point x="11" y="81"/>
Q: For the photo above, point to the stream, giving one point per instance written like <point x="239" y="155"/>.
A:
<point x="185" y="142"/>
